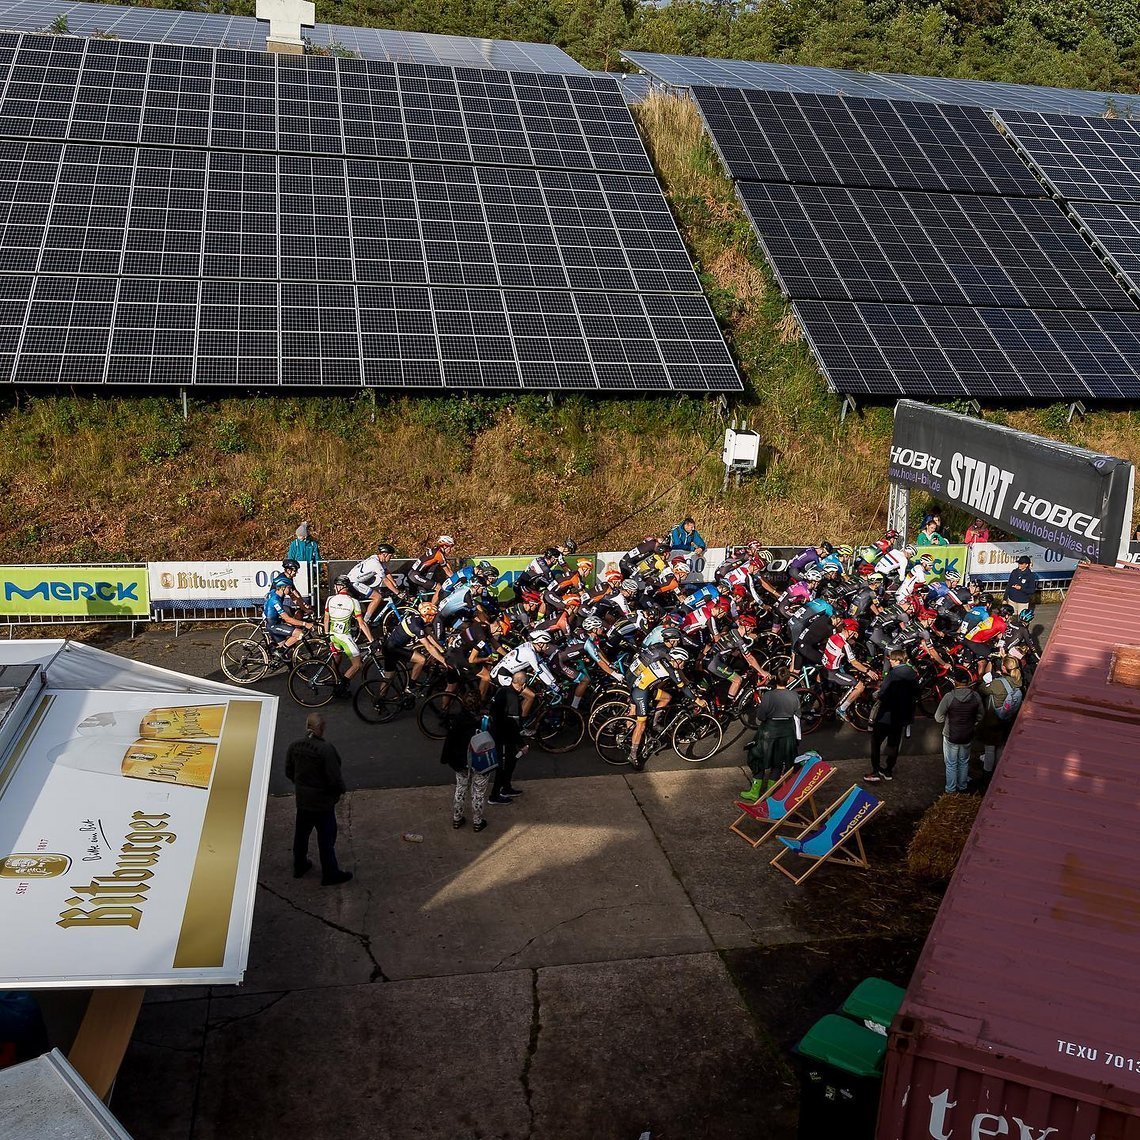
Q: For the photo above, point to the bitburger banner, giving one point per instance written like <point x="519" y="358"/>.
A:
<point x="1064" y="498"/>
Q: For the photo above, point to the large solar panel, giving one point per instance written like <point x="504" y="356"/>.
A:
<point x="829" y="243"/>
<point x="825" y="140"/>
<point x="1080" y="157"/>
<point x="1114" y="228"/>
<point x="203" y="29"/>
<point x="696" y="71"/>
<point x="186" y="215"/>
<point x="995" y="353"/>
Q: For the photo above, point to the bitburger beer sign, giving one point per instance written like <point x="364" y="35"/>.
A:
<point x="1064" y="498"/>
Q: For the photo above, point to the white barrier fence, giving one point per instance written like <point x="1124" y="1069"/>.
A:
<point x="223" y="590"/>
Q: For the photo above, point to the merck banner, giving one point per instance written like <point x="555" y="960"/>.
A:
<point x="1064" y="498"/>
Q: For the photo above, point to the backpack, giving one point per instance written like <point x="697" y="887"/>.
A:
<point x="1007" y="710"/>
<point x="482" y="751"/>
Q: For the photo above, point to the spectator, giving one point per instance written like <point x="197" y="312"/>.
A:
<point x="464" y="724"/>
<point x="313" y="766"/>
<point x="1136" y="535"/>
<point x="1022" y="584"/>
<point x="506" y="728"/>
<point x="977" y="531"/>
<point x="897" y="697"/>
<point x="771" y="754"/>
<point x="304" y="549"/>
<point x="999" y="684"/>
<point x="686" y="539"/>
<point x="929" y="535"/>
<point x="959" y="712"/>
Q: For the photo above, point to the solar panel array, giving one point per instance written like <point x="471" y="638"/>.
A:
<point x="205" y="29"/>
<point x="920" y="251"/>
<point x="193" y="215"/>
<point x="696" y="71"/>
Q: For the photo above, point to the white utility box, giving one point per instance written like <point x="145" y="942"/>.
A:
<point x="741" y="449"/>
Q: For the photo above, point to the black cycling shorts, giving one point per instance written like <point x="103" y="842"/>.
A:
<point x="720" y="666"/>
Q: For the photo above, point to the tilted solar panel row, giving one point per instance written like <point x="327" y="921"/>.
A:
<point x="207" y="29"/>
<point x="85" y="208"/>
<point x="974" y="353"/>
<point x="826" y="140"/>
<point x="91" y="330"/>
<point x="697" y="71"/>
<point x="112" y="91"/>
<point x="830" y="243"/>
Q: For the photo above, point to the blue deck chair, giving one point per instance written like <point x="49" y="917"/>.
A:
<point x="834" y="837"/>
<point x="789" y="803"/>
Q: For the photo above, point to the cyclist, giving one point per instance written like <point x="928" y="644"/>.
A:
<point x="281" y="625"/>
<point x="916" y="577"/>
<point x="808" y="646"/>
<point x="654" y="672"/>
<point x="840" y="662"/>
<point x="644" y="556"/>
<point x="428" y="574"/>
<point x="342" y="611"/>
<point x="808" y="558"/>
<point x="529" y="658"/>
<point x="471" y="649"/>
<point x="415" y="635"/>
<point x="895" y="562"/>
<point x="541" y="572"/>
<point x="729" y="649"/>
<point x="371" y="580"/>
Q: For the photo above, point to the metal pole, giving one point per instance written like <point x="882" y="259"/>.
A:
<point x="898" y="509"/>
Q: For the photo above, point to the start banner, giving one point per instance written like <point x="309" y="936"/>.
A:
<point x="176" y="586"/>
<point x="98" y="592"/>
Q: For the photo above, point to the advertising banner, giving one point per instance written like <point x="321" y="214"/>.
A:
<point x="74" y="591"/>
<point x="1065" y="498"/>
<point x="130" y="828"/>
<point x="510" y="566"/>
<point x="993" y="562"/>
<point x="176" y="586"/>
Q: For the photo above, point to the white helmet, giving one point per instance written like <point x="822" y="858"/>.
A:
<point x="680" y="656"/>
<point x="813" y="574"/>
<point x="541" y="637"/>
<point x="445" y="540"/>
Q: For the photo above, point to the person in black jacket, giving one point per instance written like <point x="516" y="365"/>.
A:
<point x="897" y="697"/>
<point x="505" y="709"/>
<point x="313" y="765"/>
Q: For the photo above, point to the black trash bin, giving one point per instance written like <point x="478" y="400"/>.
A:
<point x="840" y="1067"/>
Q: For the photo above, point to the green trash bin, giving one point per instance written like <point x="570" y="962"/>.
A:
<point x="840" y="1065"/>
<point x="874" y="1003"/>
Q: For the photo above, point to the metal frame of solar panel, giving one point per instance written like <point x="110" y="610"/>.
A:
<point x="257" y="219"/>
<point x="205" y="29"/>
<point x="698" y="71"/>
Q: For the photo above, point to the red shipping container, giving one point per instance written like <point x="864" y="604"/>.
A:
<point x="1022" y="1018"/>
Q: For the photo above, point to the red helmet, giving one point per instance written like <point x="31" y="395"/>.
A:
<point x="722" y="605"/>
<point x="757" y="564"/>
<point x="531" y="597"/>
<point x="614" y="576"/>
<point x="851" y="625"/>
<point x="746" y="621"/>
<point x="738" y="591"/>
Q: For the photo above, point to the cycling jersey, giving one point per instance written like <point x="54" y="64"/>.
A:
<point x="837" y="652"/>
<point x="341" y="610"/>
<point x="411" y="630"/>
<point x="699" y="596"/>
<point x="273" y="610"/>
<point x="893" y="562"/>
<point x="524" y="659"/>
<point x="463" y="577"/>
<point x="701" y="620"/>
<point x="472" y="637"/>
<point x="368" y="575"/>
<point x="914" y="580"/>
<point x="430" y="571"/>
<point x="809" y="644"/>
<point x="820" y="606"/>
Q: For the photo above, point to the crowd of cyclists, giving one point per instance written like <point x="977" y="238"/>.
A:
<point x="648" y="653"/>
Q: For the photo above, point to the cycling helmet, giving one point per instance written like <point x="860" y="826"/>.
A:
<point x="909" y="551"/>
<point x="428" y="610"/>
<point x="753" y="546"/>
<point x="738" y="591"/>
<point x="874" y="577"/>
<point x="1006" y="611"/>
<point x="845" y="551"/>
<point x="827" y="548"/>
<point x="445" y="540"/>
<point x="385" y="548"/>
<point x="592" y="624"/>
<point x="570" y="546"/>
<point x="541" y="637"/>
<point x="850" y="625"/>
<point x="892" y="535"/>
<point x="952" y="576"/>
<point x="504" y="622"/>
<point x="670" y="633"/>
<point x="629" y="585"/>
<point x="813" y="574"/>
<point x="746" y="621"/>
<point x="722" y="605"/>
<point x="672" y="618"/>
<point x="679" y="656"/>
<point x="572" y="601"/>
<point x="585" y="566"/>
<point x="613" y="576"/>
<point x="343" y="582"/>
<point x="926" y="559"/>
<point x="291" y="564"/>
<point x="552" y="554"/>
<point x="280" y="580"/>
<point x="484" y="567"/>
<point x="679" y="560"/>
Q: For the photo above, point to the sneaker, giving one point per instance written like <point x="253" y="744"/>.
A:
<point x="887" y="776"/>
<point x="512" y="792"/>
<point x="337" y="879"/>
<point x="529" y="731"/>
<point x="500" y="799"/>
<point x="872" y="778"/>
<point x="299" y="871"/>
<point x="637" y="763"/>
<point x="478" y="825"/>
<point x="458" y="823"/>
<point x="842" y="714"/>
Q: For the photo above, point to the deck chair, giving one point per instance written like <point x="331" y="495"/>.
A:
<point x="789" y="803"/>
<point x="834" y="837"/>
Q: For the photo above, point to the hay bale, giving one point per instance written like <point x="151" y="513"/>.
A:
<point x="941" y="834"/>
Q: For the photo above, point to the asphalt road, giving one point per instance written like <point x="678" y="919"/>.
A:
<point x="397" y="755"/>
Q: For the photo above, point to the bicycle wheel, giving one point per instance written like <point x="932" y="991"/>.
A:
<point x="748" y="709"/>
<point x="245" y="662"/>
<point x="379" y="700"/>
<point x="613" y="740"/>
<point x="312" y="647"/>
<point x="811" y="710"/>
<point x="860" y="713"/>
<point x="697" y="737"/>
<point x="437" y="713"/>
<point x="560" y="729"/>
<point x="243" y="631"/>
<point x="931" y="694"/>
<point x="603" y="711"/>
<point x="312" y="683"/>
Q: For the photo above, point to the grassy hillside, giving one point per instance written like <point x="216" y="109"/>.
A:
<point x="90" y="479"/>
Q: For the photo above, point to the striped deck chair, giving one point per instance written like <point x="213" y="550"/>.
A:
<point x="834" y="837"/>
<point x="789" y="803"/>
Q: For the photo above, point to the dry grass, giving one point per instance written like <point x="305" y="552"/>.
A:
<point x="941" y="835"/>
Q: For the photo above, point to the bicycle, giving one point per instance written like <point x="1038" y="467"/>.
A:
<point x="249" y="660"/>
<point x="314" y="681"/>
<point x="693" y="735"/>
<point x="380" y="699"/>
